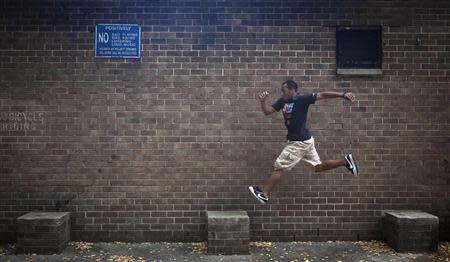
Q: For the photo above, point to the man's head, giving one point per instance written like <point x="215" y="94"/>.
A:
<point x="288" y="89"/>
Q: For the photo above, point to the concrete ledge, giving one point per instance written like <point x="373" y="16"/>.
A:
<point x="356" y="71"/>
<point x="410" y="230"/>
<point x="228" y="232"/>
<point x="43" y="232"/>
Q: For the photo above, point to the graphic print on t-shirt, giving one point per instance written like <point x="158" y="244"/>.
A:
<point x="295" y="112"/>
<point x="287" y="113"/>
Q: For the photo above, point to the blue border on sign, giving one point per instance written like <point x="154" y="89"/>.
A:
<point x="139" y="46"/>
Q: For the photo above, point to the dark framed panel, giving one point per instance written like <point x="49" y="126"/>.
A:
<point x="359" y="47"/>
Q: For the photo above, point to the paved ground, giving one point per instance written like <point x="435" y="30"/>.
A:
<point x="259" y="251"/>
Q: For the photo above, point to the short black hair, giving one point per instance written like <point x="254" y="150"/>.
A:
<point x="291" y="84"/>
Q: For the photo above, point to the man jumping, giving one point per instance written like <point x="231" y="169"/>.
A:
<point x="300" y="143"/>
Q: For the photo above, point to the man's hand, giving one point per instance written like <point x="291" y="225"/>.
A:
<point x="267" y="109"/>
<point x="349" y="96"/>
<point x="263" y="95"/>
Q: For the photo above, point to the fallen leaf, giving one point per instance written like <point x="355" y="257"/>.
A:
<point x="261" y="244"/>
<point x="81" y="246"/>
<point x="199" y="247"/>
<point x="375" y="247"/>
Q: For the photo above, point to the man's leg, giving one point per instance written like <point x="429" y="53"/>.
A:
<point x="312" y="157"/>
<point x="348" y="162"/>
<point x="273" y="180"/>
<point x="330" y="164"/>
<point x="288" y="158"/>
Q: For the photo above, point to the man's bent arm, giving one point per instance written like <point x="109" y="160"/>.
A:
<point x="329" y="94"/>
<point x="267" y="109"/>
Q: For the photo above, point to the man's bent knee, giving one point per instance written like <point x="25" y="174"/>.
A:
<point x="318" y="168"/>
<point x="279" y="170"/>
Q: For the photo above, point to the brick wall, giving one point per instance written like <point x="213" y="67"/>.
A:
<point x="139" y="149"/>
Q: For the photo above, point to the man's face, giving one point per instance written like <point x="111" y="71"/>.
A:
<point x="287" y="93"/>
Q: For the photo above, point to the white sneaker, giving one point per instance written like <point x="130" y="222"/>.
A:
<point x="351" y="164"/>
<point x="258" y="194"/>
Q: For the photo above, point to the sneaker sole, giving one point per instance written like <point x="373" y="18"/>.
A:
<point x="250" y="188"/>
<point x="354" y="165"/>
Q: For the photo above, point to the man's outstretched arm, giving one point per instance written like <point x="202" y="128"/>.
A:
<point x="267" y="109"/>
<point x="326" y="95"/>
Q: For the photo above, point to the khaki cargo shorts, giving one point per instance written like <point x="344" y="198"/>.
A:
<point x="296" y="151"/>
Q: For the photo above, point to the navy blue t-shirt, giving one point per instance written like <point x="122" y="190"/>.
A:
<point x="295" y="114"/>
